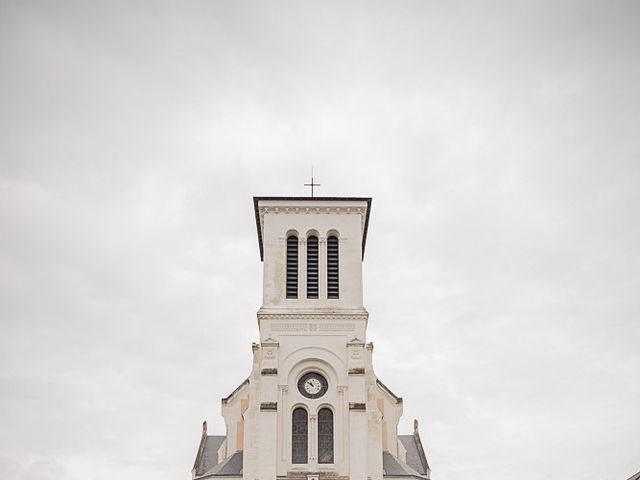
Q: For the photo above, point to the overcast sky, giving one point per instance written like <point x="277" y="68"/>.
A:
<point x="499" y="141"/>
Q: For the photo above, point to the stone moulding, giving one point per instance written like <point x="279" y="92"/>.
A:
<point x="305" y="209"/>
<point x="269" y="407"/>
<point x="301" y="205"/>
<point x="313" y="317"/>
<point x="388" y="390"/>
<point x="290" y="327"/>
<point x="313" y="327"/>
<point x="238" y="388"/>
<point x="298" y="209"/>
<point x="270" y="342"/>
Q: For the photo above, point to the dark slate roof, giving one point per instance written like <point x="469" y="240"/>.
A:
<point x="414" y="458"/>
<point x="394" y="467"/>
<point x="313" y="199"/>
<point x="230" y="467"/>
<point x="209" y="457"/>
<point x="634" y="477"/>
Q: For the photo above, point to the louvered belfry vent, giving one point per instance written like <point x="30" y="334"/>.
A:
<point x="333" y="273"/>
<point x="312" y="267"/>
<point x="292" y="266"/>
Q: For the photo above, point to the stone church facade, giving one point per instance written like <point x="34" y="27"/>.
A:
<point x="312" y="407"/>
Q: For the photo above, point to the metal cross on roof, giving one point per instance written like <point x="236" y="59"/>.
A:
<point x="312" y="184"/>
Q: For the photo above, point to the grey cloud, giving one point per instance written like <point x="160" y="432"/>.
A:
<point x="498" y="142"/>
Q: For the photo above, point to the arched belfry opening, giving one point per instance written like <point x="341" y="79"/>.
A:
<point x="292" y="266"/>
<point x="333" y="267"/>
<point x="312" y="266"/>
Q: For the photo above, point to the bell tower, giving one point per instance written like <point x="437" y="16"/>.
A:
<point x="323" y="229"/>
<point x="312" y="407"/>
<point x="313" y="326"/>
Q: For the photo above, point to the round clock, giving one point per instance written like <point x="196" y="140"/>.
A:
<point x="312" y="385"/>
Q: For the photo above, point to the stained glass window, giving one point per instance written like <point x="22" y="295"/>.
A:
<point x="299" y="436"/>
<point x="325" y="436"/>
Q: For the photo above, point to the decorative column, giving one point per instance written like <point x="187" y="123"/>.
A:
<point x="268" y="456"/>
<point x="313" y="442"/>
<point x="283" y="438"/>
<point x="358" y="429"/>
<point x="342" y="428"/>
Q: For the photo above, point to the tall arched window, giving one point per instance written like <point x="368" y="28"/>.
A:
<point x="325" y="436"/>
<point x="333" y="274"/>
<point x="292" y="266"/>
<point x="299" y="436"/>
<point x="312" y="267"/>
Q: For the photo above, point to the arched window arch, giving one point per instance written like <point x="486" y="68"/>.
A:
<point x="325" y="436"/>
<point x="333" y="273"/>
<point x="292" y="266"/>
<point x="299" y="436"/>
<point x="312" y="266"/>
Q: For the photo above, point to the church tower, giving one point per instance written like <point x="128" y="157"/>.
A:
<point x="312" y="407"/>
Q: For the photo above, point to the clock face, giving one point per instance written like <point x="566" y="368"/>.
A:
<point x="312" y="385"/>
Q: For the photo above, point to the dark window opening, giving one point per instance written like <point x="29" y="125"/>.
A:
<point x="325" y="436"/>
<point x="292" y="266"/>
<point x="312" y="267"/>
<point x="333" y="274"/>
<point x="299" y="436"/>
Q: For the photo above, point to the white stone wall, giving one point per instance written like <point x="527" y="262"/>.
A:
<point x="322" y="335"/>
<point x="322" y="218"/>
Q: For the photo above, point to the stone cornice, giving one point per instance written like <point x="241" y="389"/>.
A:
<point x="311" y="205"/>
<point x="315" y="317"/>
<point x="307" y="210"/>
